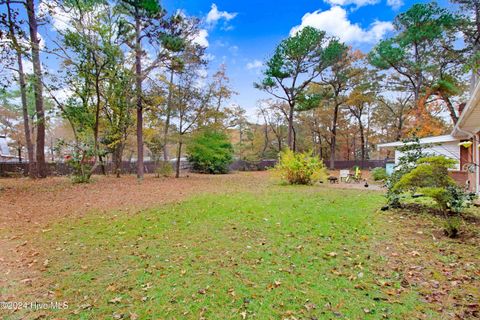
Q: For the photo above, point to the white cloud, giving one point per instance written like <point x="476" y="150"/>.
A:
<point x="203" y="73"/>
<point x="201" y="81"/>
<point x="27" y="66"/>
<point x="22" y="41"/>
<point x="395" y="4"/>
<point x="214" y="15"/>
<point x="357" y="3"/>
<point x="61" y="20"/>
<point x="255" y="64"/>
<point x="201" y="38"/>
<point x="209" y="57"/>
<point x="335" y="22"/>
<point x="63" y="94"/>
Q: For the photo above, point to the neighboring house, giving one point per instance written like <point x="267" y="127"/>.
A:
<point x="446" y="145"/>
<point x="461" y="145"/>
<point x="4" y="151"/>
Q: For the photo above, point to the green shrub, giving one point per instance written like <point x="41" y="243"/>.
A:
<point x="440" y="195"/>
<point x="431" y="179"/>
<point x="452" y="226"/>
<point x="379" y="174"/>
<point x="210" y="152"/>
<point x="164" y="169"/>
<point x="411" y="151"/>
<point x="430" y="172"/>
<point x="459" y="199"/>
<point x="300" y="168"/>
<point x="81" y="161"/>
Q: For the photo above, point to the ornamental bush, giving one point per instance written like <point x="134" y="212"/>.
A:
<point x="430" y="172"/>
<point x="379" y="174"/>
<point x="411" y="151"/>
<point x="210" y="151"/>
<point x="300" y="168"/>
<point x="164" y="169"/>
<point x="430" y="177"/>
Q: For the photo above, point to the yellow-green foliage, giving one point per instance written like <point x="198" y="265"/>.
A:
<point x="164" y="169"/>
<point x="300" y="168"/>
<point x="441" y="196"/>
<point x="431" y="172"/>
<point x="431" y="178"/>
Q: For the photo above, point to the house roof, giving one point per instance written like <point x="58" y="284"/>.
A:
<point x="469" y="121"/>
<point x="4" y="151"/>
<point x="427" y="140"/>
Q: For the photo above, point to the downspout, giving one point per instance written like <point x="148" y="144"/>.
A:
<point x="477" y="161"/>
<point x="471" y="135"/>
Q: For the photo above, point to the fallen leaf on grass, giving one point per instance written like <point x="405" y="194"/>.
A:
<point x="115" y="300"/>
<point x="274" y="285"/>
<point x="118" y="316"/>
<point x="415" y="253"/>
<point x="231" y="292"/>
<point x="310" y="306"/>
<point x="111" y="288"/>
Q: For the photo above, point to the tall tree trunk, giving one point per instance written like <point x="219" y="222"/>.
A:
<point x="26" y="119"/>
<point x="97" y="120"/>
<point x="451" y="109"/>
<point x="266" y="141"/>
<point x="179" y="155"/>
<point x="320" y="148"/>
<point x="333" y="138"/>
<point x="38" y="87"/>
<point x="23" y="94"/>
<point x="117" y="159"/>
<point x="291" y="142"/>
<point x="102" y="165"/>
<point x="52" y="151"/>
<point x="167" y="120"/>
<point x="294" y="138"/>
<point x="362" y="140"/>
<point x="367" y="135"/>
<point x="138" y="89"/>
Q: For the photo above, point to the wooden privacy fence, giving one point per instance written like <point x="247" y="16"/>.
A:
<point x="365" y="164"/>
<point x="60" y="168"/>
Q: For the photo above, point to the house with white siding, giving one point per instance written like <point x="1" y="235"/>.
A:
<point x="446" y="145"/>
<point x="462" y="145"/>
<point x="4" y="150"/>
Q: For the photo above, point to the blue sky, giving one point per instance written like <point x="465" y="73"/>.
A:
<point x="243" y="33"/>
<point x="246" y="32"/>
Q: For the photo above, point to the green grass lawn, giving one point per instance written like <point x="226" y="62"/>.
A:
<point x="285" y="253"/>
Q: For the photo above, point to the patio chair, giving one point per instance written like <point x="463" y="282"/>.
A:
<point x="356" y="176"/>
<point x="344" y="174"/>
